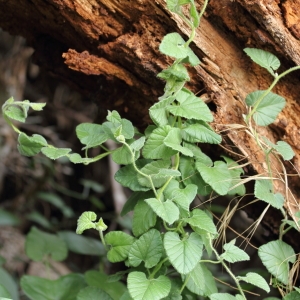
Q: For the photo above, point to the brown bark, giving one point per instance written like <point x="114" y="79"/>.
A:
<point x="108" y="49"/>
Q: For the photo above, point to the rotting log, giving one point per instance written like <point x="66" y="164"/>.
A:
<point x="108" y="50"/>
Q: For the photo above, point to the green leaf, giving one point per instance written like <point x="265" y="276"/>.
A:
<point x="15" y="113"/>
<point x="198" y="154"/>
<point x="202" y="221"/>
<point x="94" y="293"/>
<point x="233" y="254"/>
<point x="218" y="176"/>
<point x="175" y="71"/>
<point x="101" y="280"/>
<point x="183" y="254"/>
<point x="190" y="107"/>
<point x="138" y="144"/>
<point x="55" y="153"/>
<point x="141" y="288"/>
<point x="148" y="248"/>
<point x="39" y="219"/>
<point x="56" y="201"/>
<point x="268" y="108"/>
<point x="192" y="58"/>
<point x="126" y="296"/>
<point x="158" y="113"/>
<point x="127" y="129"/>
<point x="40" y="244"/>
<point x="75" y="158"/>
<point x="143" y="218"/>
<point x="201" y="281"/>
<point x="167" y="210"/>
<point x="30" y="145"/>
<point x="235" y="172"/>
<point x="222" y="296"/>
<point x="285" y="150"/>
<point x="113" y="129"/>
<point x="86" y="221"/>
<point x="120" y="243"/>
<point x="256" y="280"/>
<point x="184" y="197"/>
<point x="292" y="296"/>
<point x="263" y="190"/>
<point x="122" y="156"/>
<point x="194" y="14"/>
<point x="159" y="173"/>
<point x="174" y="5"/>
<point x="5" y="295"/>
<point x="175" y="293"/>
<point x="173" y="140"/>
<point x="263" y="58"/>
<point x="10" y="284"/>
<point x="276" y="256"/>
<point x="37" y="106"/>
<point x="134" y="198"/>
<point x="64" y="288"/>
<point x="173" y="45"/>
<point x="127" y="176"/>
<point x="9" y="219"/>
<point x="191" y="176"/>
<point x="91" y="135"/>
<point x="200" y="133"/>
<point x="81" y="244"/>
<point x="113" y="116"/>
<point x="154" y="147"/>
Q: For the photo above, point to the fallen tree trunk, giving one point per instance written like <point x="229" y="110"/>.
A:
<point x="108" y="49"/>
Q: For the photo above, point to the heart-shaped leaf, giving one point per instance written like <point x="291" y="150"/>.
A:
<point x="64" y="288"/>
<point x="276" y="256"/>
<point x="141" y="288"/>
<point x="183" y="254"/>
<point x="148" y="248"/>
<point x="167" y="210"/>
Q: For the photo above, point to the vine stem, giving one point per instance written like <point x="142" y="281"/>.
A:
<point x="185" y="283"/>
<point x="277" y="78"/>
<point x="139" y="171"/>
<point x="228" y="270"/>
<point x="157" y="267"/>
<point x="171" y="177"/>
<point x="102" y="239"/>
<point x="10" y="123"/>
<point x="203" y="9"/>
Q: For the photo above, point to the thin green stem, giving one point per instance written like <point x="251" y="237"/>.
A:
<point x="171" y="177"/>
<point x="228" y="270"/>
<point x="185" y="283"/>
<point x="203" y="9"/>
<point x="185" y="19"/>
<point x="283" y="232"/>
<point x="192" y="36"/>
<point x="157" y="267"/>
<point x="10" y="123"/>
<point x="169" y="228"/>
<point x="210" y="261"/>
<point x="140" y="172"/>
<point x="102" y="239"/>
<point x="257" y="103"/>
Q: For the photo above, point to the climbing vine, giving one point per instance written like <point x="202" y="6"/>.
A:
<point x="171" y="247"/>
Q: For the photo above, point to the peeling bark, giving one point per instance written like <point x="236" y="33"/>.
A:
<point x="108" y="49"/>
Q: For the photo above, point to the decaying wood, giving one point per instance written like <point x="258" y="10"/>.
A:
<point x="108" y="49"/>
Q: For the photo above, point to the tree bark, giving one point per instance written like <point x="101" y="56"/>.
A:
<point x="108" y="49"/>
